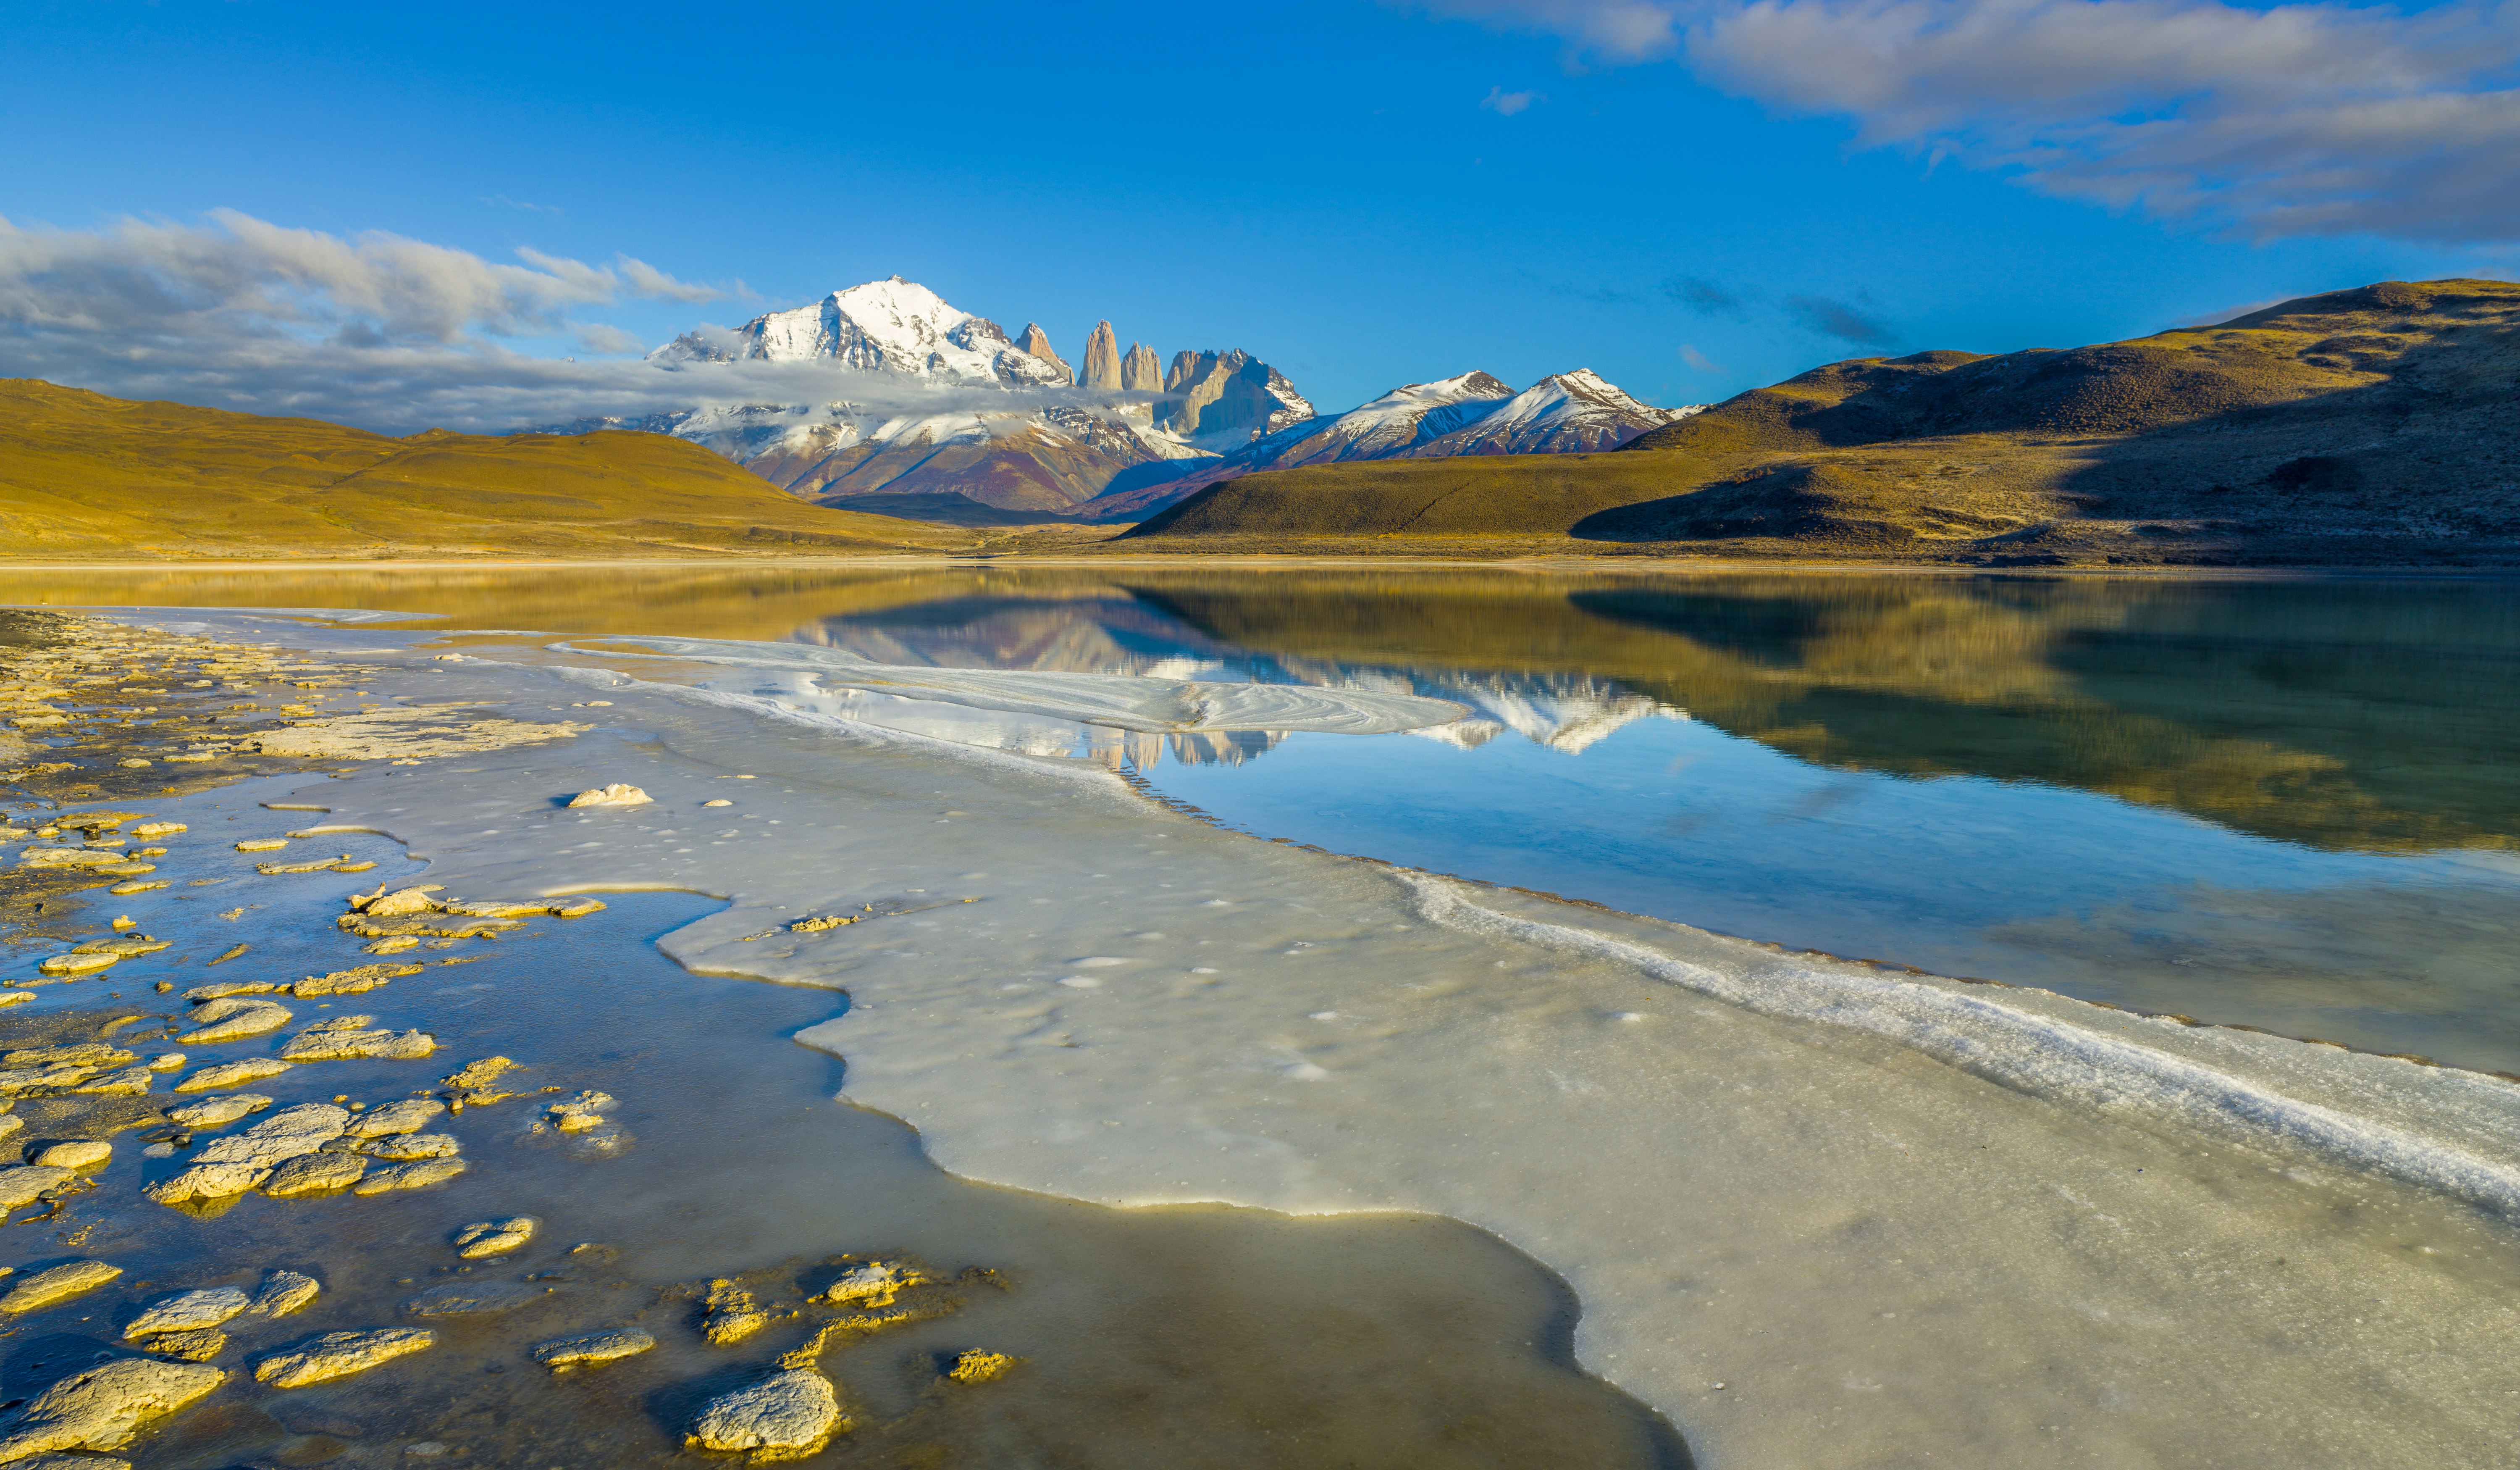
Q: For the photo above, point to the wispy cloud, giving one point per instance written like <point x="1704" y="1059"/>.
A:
<point x="1698" y="360"/>
<point x="384" y="332"/>
<point x="1506" y="103"/>
<point x="1830" y="317"/>
<point x="502" y="202"/>
<point x="1703" y="297"/>
<point x="2282" y="119"/>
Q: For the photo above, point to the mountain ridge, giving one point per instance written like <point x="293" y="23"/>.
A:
<point x="2370" y="426"/>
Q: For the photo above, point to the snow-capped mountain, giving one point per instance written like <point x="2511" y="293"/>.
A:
<point x="1474" y="413"/>
<point x="1563" y="413"/>
<point x="929" y="419"/>
<point x="944" y="402"/>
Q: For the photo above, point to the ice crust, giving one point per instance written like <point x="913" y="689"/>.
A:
<point x="1900" y="1219"/>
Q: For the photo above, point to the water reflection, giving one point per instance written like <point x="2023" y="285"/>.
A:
<point x="2288" y="802"/>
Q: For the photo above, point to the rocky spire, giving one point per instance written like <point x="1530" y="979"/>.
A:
<point x="1036" y="342"/>
<point x="1102" y="357"/>
<point x="1140" y="371"/>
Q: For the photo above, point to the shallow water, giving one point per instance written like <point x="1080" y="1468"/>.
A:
<point x="1391" y="1339"/>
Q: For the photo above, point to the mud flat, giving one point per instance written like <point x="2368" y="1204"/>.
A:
<point x="1814" y="1213"/>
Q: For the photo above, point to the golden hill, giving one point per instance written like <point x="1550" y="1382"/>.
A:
<point x="83" y="475"/>
<point x="2379" y="425"/>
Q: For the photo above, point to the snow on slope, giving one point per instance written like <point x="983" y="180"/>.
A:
<point x="1474" y="413"/>
<point x="1563" y="413"/>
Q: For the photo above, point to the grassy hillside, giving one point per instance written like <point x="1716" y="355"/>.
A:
<point x="2375" y="425"/>
<point x="85" y="476"/>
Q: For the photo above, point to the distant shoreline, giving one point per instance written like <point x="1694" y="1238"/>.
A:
<point x="1249" y="561"/>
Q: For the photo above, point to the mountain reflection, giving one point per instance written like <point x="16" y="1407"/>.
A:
<point x="2343" y="714"/>
<point x="2334" y="713"/>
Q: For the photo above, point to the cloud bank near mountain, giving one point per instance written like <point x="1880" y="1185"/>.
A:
<point x="2283" y="120"/>
<point x="383" y="332"/>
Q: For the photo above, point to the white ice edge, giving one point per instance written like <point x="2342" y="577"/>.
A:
<point x="1128" y="702"/>
<point x="2034" y="1054"/>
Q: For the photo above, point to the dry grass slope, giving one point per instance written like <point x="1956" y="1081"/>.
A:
<point x="2379" y="425"/>
<point x="84" y="475"/>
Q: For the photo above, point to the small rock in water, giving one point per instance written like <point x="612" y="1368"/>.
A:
<point x="76" y="964"/>
<point x="875" y="1284"/>
<point x="199" y="1346"/>
<point x="403" y="1147"/>
<point x="233" y="1019"/>
<point x="208" y="1181"/>
<point x="352" y="982"/>
<point x="407" y="901"/>
<point x="262" y="844"/>
<point x="314" y="1174"/>
<point x="617" y="794"/>
<point x="232" y="1074"/>
<point x="977" y="1366"/>
<point x="187" y="1310"/>
<point x="405" y="1116"/>
<point x="578" y="1114"/>
<point x="732" y="1314"/>
<point x="217" y="1112"/>
<point x="345" y="1039"/>
<point x="339" y="1355"/>
<point x="417" y="1176"/>
<point x="788" y="1415"/>
<point x="494" y="1237"/>
<point x="281" y="1293"/>
<point x="102" y="1407"/>
<point x="74" y="1153"/>
<point x="472" y="1087"/>
<point x="218" y="990"/>
<point x="58" y="1284"/>
<point x="25" y="1182"/>
<point x="564" y="1354"/>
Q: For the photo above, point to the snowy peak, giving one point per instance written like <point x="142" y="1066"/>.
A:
<point x="1563" y="413"/>
<point x="894" y="327"/>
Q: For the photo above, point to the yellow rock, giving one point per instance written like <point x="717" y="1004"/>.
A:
<point x="977" y="1366"/>
<point x="262" y="844"/>
<point x="339" y="1355"/>
<point x="58" y="1284"/>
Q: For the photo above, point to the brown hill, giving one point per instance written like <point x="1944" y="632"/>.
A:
<point x="83" y="475"/>
<point x="2379" y="425"/>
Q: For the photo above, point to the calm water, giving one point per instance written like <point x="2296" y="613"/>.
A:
<point x="2292" y="805"/>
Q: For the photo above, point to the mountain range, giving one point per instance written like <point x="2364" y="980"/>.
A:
<point x="950" y="405"/>
<point x="2370" y="426"/>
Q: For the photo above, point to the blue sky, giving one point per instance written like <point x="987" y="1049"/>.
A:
<point x="1348" y="190"/>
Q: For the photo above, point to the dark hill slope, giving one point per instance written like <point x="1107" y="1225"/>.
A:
<point x="85" y="476"/>
<point x="2375" y="425"/>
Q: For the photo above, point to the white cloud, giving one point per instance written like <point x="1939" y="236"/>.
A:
<point x="2290" y="120"/>
<point x="380" y="331"/>
<point x="1506" y="103"/>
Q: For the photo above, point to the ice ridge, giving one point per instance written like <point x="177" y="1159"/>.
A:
<point x="2034" y="1054"/>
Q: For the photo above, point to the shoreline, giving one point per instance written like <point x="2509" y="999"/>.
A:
<point x="1642" y="566"/>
